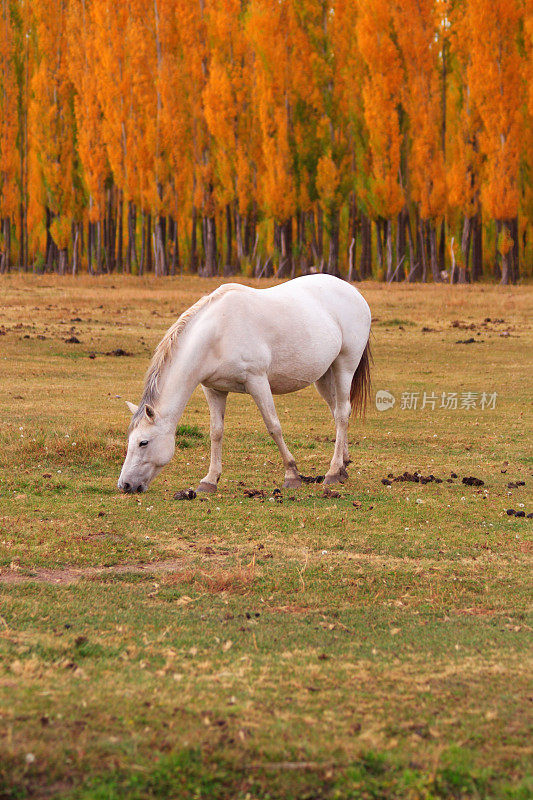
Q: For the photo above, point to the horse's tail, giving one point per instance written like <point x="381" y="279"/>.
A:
<point x="361" y="382"/>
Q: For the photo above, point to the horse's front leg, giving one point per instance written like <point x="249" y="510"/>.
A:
<point x="217" y="406"/>
<point x="259" y="388"/>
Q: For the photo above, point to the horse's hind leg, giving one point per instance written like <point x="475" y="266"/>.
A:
<point x="259" y="388"/>
<point x="326" y="388"/>
<point x="342" y="376"/>
<point x="217" y="406"/>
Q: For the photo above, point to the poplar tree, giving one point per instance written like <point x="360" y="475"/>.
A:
<point x="495" y="76"/>
<point x="9" y="161"/>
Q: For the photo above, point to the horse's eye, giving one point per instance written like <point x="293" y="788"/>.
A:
<point x="143" y="444"/>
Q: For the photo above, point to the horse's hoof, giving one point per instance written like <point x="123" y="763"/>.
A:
<point x="338" y="477"/>
<point x="207" y="488"/>
<point x="292" y="483"/>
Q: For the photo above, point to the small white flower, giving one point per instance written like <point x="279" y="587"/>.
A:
<point x="30" y="758"/>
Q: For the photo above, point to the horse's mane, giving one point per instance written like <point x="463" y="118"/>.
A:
<point x="164" y="349"/>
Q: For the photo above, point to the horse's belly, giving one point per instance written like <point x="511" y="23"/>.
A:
<point x="293" y="367"/>
<point x="285" y="384"/>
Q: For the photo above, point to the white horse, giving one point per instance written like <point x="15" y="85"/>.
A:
<point x="314" y="329"/>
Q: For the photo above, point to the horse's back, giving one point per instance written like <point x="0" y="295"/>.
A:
<point x="323" y="299"/>
<point x="293" y="332"/>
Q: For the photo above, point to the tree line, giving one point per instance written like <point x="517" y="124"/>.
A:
<point x="369" y="138"/>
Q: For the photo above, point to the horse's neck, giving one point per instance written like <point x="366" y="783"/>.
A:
<point x="180" y="378"/>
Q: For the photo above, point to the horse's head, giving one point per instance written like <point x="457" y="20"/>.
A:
<point x="151" y="445"/>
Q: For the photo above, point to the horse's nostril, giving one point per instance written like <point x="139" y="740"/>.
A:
<point x="127" y="487"/>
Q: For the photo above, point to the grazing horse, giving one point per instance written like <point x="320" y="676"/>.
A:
<point x="314" y="329"/>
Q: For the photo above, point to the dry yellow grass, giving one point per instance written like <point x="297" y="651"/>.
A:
<point x="370" y="645"/>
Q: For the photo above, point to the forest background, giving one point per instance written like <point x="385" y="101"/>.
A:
<point x="370" y="138"/>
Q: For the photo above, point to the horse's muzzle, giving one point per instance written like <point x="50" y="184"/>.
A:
<point x="129" y="488"/>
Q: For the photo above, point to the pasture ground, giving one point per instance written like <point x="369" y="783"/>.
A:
<point x="371" y="645"/>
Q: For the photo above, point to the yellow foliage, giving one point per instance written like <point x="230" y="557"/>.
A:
<point x="327" y="180"/>
<point x="505" y="242"/>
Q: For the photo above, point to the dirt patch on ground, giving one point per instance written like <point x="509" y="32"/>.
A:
<point x="68" y="575"/>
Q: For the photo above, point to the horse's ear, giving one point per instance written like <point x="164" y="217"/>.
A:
<point x="132" y="407"/>
<point x="150" y="413"/>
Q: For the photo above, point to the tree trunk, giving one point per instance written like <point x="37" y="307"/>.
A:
<point x="401" y="245"/>
<point x="352" y="235"/>
<point x="414" y="264"/>
<point x="379" y="244"/>
<point x="305" y="243"/>
<point x="3" y="260"/>
<point x="120" y="225"/>
<point x="107" y="236"/>
<point x="7" y="243"/>
<point x="3" y="252"/>
<point x="142" y="262"/>
<point x="465" y="249"/>
<point x="238" y="236"/>
<point x="113" y="229"/>
<point x="148" y="251"/>
<point x="253" y="228"/>
<point x="99" y="246"/>
<point x="507" y="258"/>
<point x="433" y="253"/>
<point x="516" y="250"/>
<point x="160" y="256"/>
<point x="63" y="261"/>
<point x="228" y="266"/>
<point x="366" y="247"/>
<point x="132" y="229"/>
<point x="442" y="247"/>
<point x="496" y="271"/>
<point x="422" y="246"/>
<point x="351" y="262"/>
<point x="320" y="235"/>
<point x="49" y="242"/>
<point x="333" y="253"/>
<point x="247" y="234"/>
<point x="477" y="248"/>
<point x="90" y="248"/>
<point x="163" y="235"/>
<point x="75" y="237"/>
<point x="176" y="264"/>
<point x="21" y="245"/>
<point x="194" y="243"/>
<point x="210" y="247"/>
<point x="286" y="259"/>
<point x="388" y="239"/>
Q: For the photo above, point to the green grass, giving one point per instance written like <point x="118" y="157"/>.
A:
<point x="371" y="645"/>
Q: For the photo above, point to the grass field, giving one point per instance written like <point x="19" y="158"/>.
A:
<point x="371" y="645"/>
